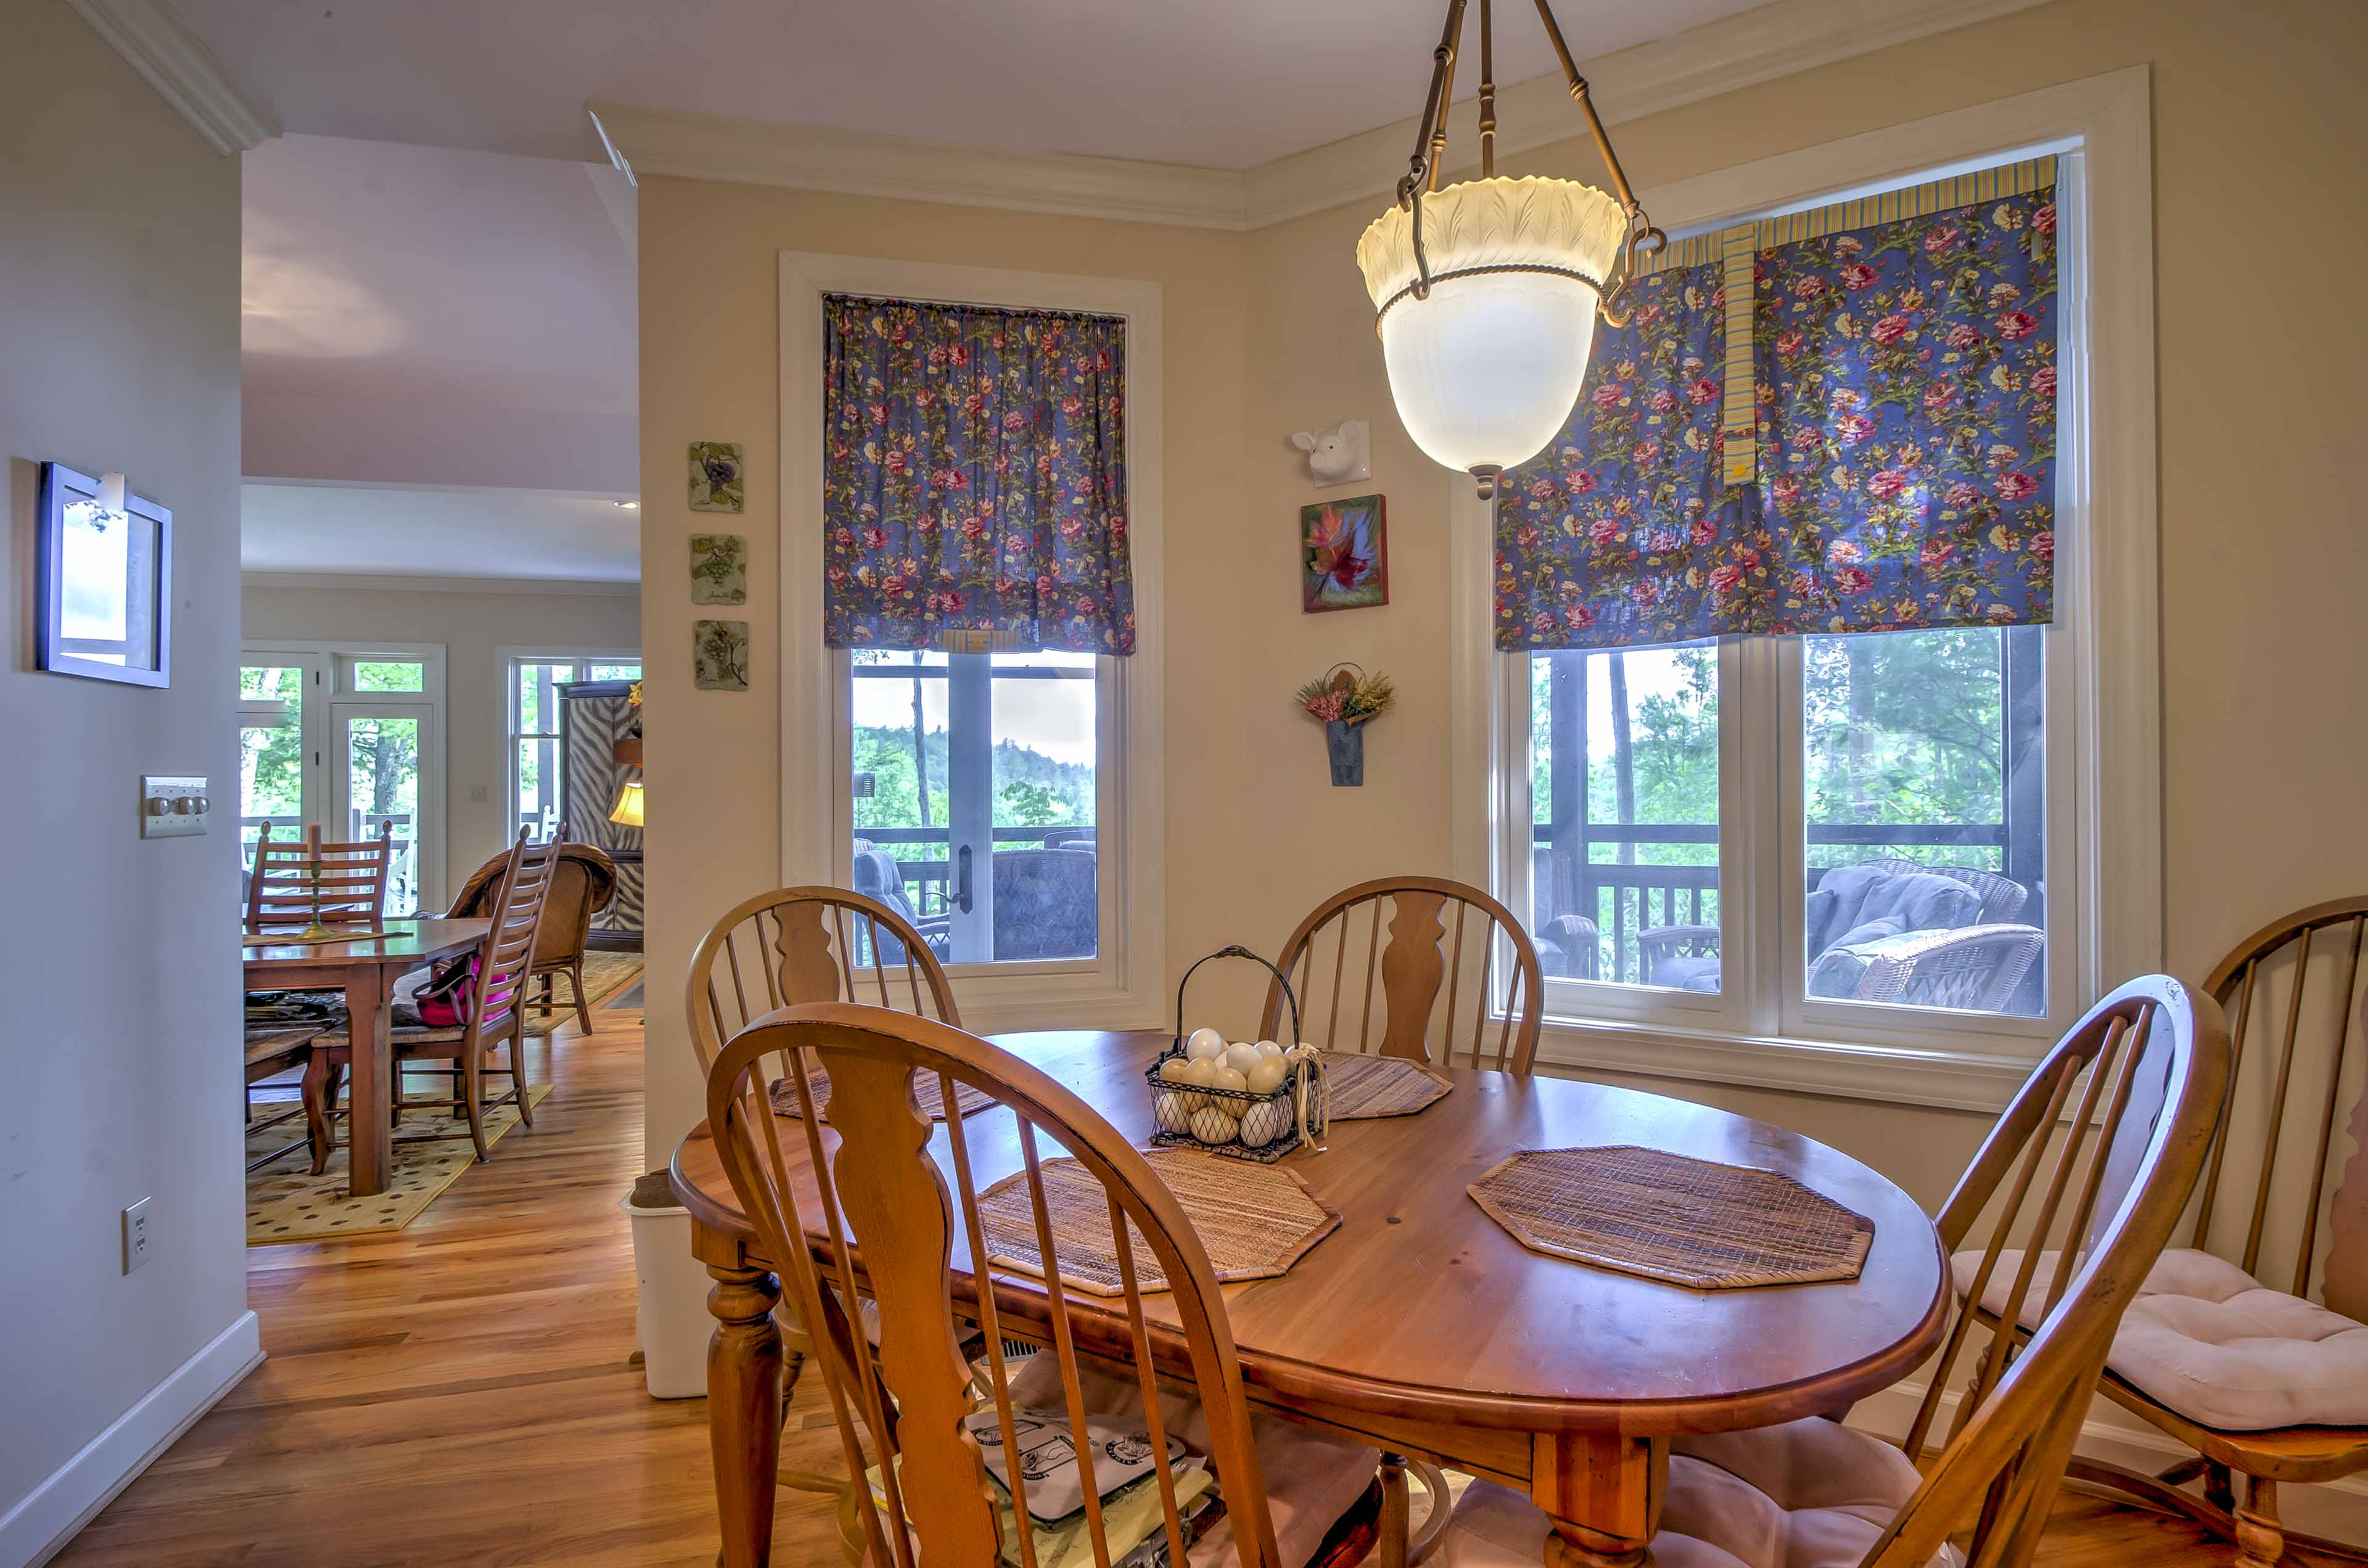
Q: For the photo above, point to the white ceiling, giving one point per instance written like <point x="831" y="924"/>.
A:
<point x="392" y="531"/>
<point x="1223" y="84"/>
<point x="431" y="316"/>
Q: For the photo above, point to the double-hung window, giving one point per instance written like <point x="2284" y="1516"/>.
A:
<point x="532" y="679"/>
<point x="1863" y="842"/>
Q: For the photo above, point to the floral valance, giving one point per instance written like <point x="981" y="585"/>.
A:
<point x="1896" y="466"/>
<point x="974" y="479"/>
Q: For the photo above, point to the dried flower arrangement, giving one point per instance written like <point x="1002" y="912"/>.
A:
<point x="1346" y="698"/>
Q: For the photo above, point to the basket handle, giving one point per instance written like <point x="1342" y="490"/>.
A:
<point x="1235" y="950"/>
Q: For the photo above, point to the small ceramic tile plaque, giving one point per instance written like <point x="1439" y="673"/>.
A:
<point x="719" y="652"/>
<point x="715" y="476"/>
<point x="719" y="568"/>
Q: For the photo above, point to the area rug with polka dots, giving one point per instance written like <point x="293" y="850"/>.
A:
<point x="285" y="1204"/>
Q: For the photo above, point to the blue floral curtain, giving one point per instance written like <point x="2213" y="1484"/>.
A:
<point x="974" y="479"/>
<point x="1903" y="380"/>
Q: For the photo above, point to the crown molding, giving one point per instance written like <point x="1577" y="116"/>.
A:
<point x="177" y="65"/>
<point x="855" y="162"/>
<point x="1760" y="45"/>
<point x="366" y="582"/>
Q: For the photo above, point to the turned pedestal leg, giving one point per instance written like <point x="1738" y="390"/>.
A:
<point x="2260" y="1538"/>
<point x="1395" y="1519"/>
<point x="744" y="1410"/>
<point x="1603" y="1492"/>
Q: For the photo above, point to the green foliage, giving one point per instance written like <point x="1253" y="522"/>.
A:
<point x="1031" y="789"/>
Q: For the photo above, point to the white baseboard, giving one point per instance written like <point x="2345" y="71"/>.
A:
<point x="2338" y="1509"/>
<point x="33" y="1530"/>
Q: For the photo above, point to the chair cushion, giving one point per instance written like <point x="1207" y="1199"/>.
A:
<point x="1311" y="1479"/>
<point x="2213" y="1342"/>
<point x="1851" y="896"/>
<point x="1689" y="971"/>
<point x="1807" y="1495"/>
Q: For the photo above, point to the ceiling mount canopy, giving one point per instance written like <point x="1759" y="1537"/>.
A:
<point x="1486" y="292"/>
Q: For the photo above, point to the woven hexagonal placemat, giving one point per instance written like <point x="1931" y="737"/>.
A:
<point x="926" y="1090"/>
<point x="1664" y="1216"/>
<point x="1358" y="1088"/>
<point x="1254" y="1221"/>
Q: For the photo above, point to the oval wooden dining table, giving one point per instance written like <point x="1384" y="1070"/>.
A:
<point x="1419" y="1325"/>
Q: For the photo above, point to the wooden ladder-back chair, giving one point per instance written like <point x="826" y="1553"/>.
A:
<point x="806" y="944"/>
<point x="1436" y="969"/>
<point x="582" y="884"/>
<point x="918" y="1406"/>
<point x="2254" y="1350"/>
<point x="351" y="889"/>
<point x="2141" y="1076"/>
<point x="496" y="1015"/>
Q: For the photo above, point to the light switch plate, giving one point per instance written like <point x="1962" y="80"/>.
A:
<point x="173" y="806"/>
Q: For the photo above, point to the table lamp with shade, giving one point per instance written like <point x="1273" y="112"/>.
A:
<point x="627" y="812"/>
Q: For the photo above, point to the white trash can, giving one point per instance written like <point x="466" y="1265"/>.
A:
<point x="672" y="1325"/>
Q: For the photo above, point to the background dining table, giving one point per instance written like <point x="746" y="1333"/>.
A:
<point x="365" y="969"/>
<point x="1419" y="1326"/>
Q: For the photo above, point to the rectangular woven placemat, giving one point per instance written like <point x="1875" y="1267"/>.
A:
<point x="1254" y="1221"/>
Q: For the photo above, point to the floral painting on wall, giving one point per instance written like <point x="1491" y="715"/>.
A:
<point x="719" y="568"/>
<point x="1344" y="554"/>
<point x="718" y="651"/>
<point x="715" y="476"/>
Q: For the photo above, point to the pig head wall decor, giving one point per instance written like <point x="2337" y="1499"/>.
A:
<point x="1339" y="456"/>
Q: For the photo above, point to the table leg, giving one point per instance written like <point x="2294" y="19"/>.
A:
<point x="369" y="998"/>
<point x="744" y="1410"/>
<point x="1603" y="1491"/>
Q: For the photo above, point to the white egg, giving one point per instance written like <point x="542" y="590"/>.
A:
<point x="1205" y="1043"/>
<point x="1211" y="1124"/>
<point x="1266" y="1076"/>
<point x="1200" y="1073"/>
<point x="1227" y="1078"/>
<point x="1175" y="1113"/>
<point x="1265" y="1122"/>
<point x="1269" y="1048"/>
<point x="1240" y="1058"/>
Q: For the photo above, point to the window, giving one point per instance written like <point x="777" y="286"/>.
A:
<point x="974" y="786"/>
<point x="532" y="678"/>
<point x="1892" y="864"/>
<point x="349" y="737"/>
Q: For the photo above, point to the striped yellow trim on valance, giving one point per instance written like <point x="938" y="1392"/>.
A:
<point x="1734" y="250"/>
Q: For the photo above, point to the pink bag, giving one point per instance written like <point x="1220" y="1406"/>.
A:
<point x="443" y="1002"/>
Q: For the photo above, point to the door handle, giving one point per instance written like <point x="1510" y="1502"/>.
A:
<point x="962" y="879"/>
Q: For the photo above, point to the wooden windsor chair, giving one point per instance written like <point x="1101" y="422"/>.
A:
<point x="495" y="1017"/>
<point x="2146" y="1069"/>
<point x="2231" y="1353"/>
<point x="1427" y="915"/>
<point x="806" y="944"/>
<point x="1426" y="994"/>
<point x="281" y="890"/>
<point x="916" y="1406"/>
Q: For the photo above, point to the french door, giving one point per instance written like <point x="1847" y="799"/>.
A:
<point x="380" y="755"/>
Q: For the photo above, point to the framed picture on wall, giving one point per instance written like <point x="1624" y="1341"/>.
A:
<point x="103" y="581"/>
<point x="1344" y="554"/>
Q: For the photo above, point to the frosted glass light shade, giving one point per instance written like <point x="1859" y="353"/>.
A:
<point x="1487" y="369"/>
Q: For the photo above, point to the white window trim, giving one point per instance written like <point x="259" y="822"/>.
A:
<point x="507" y="660"/>
<point x="428" y="704"/>
<point x="2116" y="928"/>
<point x="1126" y="985"/>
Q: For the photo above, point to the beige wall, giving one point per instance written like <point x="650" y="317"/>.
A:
<point x="472" y="626"/>
<point x="119" y="1000"/>
<point x="2257" y="121"/>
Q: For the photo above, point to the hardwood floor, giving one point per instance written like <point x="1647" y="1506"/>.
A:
<point x="435" y="1397"/>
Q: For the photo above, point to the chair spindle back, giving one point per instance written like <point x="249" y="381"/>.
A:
<point x="350" y="887"/>
<point x="884" y="1186"/>
<point x="1449" y="946"/>
<point x="2290" y="991"/>
<point x="507" y="955"/>
<point x="2141" y="1077"/>
<point x="808" y="944"/>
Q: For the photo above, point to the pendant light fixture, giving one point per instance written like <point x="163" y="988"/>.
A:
<point x="1487" y="291"/>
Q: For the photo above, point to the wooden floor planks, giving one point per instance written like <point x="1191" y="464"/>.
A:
<point x="458" y="1392"/>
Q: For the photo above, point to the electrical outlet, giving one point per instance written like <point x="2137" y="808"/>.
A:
<point x="135" y="1234"/>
